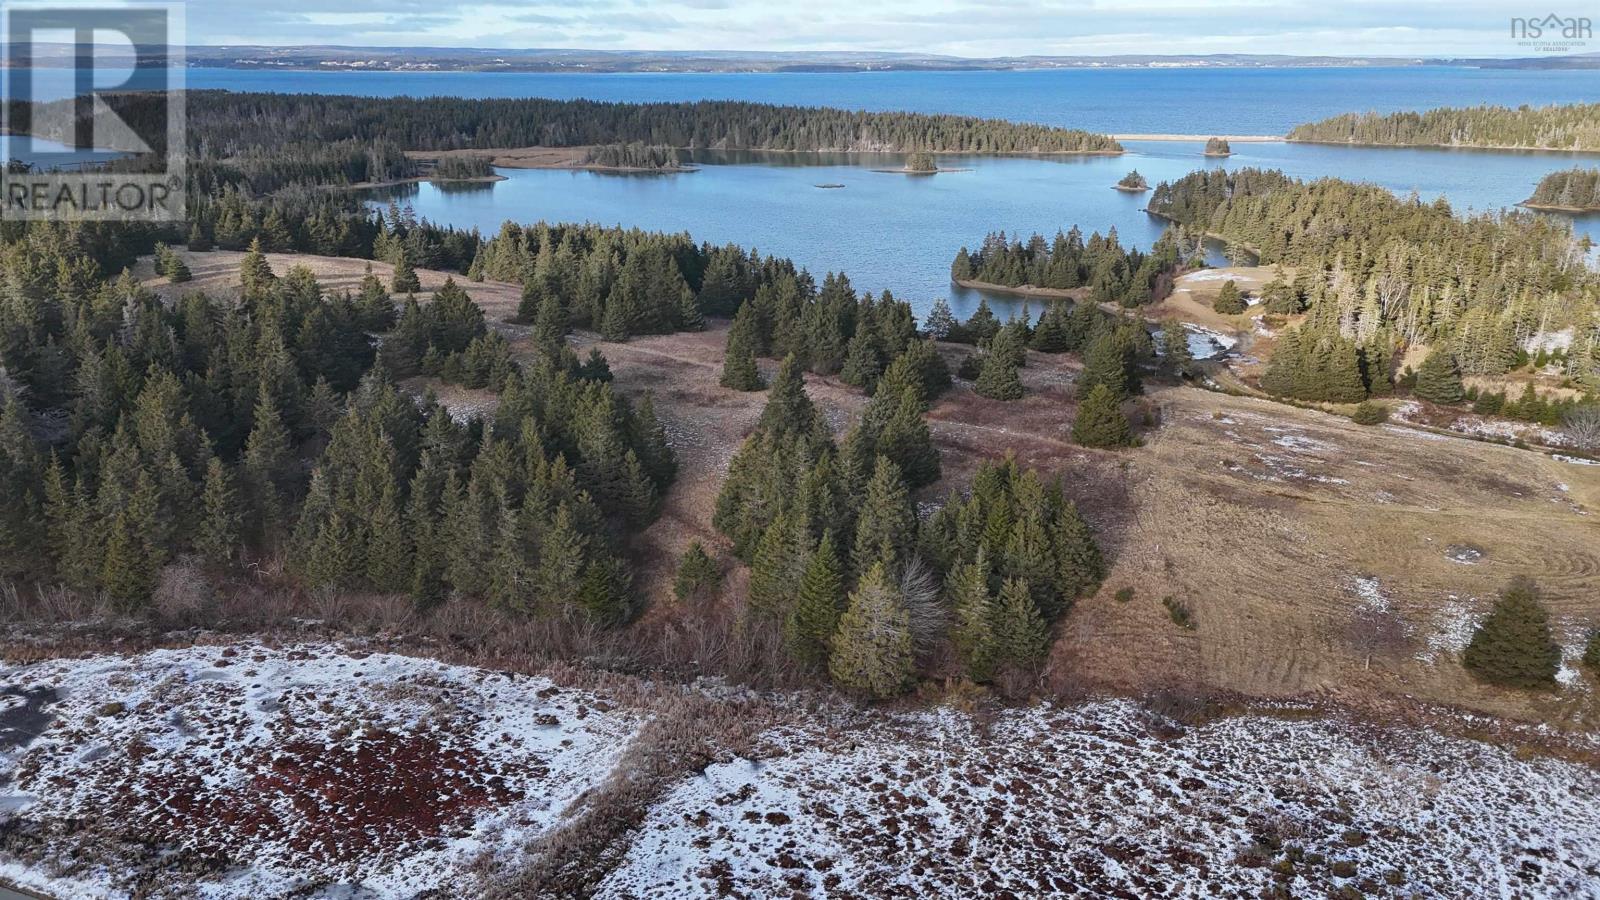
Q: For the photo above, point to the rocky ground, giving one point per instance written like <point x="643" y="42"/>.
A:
<point x="319" y="769"/>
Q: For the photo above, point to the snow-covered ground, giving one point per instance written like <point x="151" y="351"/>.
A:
<point x="266" y="771"/>
<point x="319" y="770"/>
<point x="1088" y="801"/>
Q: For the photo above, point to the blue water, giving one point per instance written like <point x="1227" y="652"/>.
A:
<point x="900" y="232"/>
<point x="897" y="232"/>
<point x="1142" y="101"/>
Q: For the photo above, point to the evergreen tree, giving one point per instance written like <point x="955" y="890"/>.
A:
<point x="974" y="634"/>
<point x="218" y="539"/>
<point x="886" y="525"/>
<point x="404" y="280"/>
<point x="561" y="556"/>
<point x="1100" y="422"/>
<point x="255" y="274"/>
<point x="1105" y="362"/>
<point x="872" y="651"/>
<point x="1229" y="302"/>
<point x="739" y="370"/>
<point x="1512" y="645"/>
<point x="698" y="574"/>
<point x="999" y="380"/>
<point x="1439" y="379"/>
<point x="1175" y="354"/>
<point x="815" y="617"/>
<point x="863" y="362"/>
<point x="1022" y="639"/>
<point x="772" y="570"/>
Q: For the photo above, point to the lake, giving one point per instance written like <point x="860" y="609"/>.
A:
<point x="901" y="232"/>
<point x="897" y="232"/>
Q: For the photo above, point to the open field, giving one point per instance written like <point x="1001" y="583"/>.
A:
<point x="1283" y="530"/>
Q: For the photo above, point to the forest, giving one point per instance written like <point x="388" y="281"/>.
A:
<point x="1573" y="189"/>
<point x="327" y="134"/>
<point x="1555" y="127"/>
<point x="209" y="438"/>
<point x="1378" y="272"/>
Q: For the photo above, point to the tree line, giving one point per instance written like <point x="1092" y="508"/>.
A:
<point x="1574" y="126"/>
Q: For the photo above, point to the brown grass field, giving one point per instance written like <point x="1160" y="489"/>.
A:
<point x="1275" y="526"/>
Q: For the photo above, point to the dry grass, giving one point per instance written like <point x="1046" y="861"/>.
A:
<point x="1258" y="516"/>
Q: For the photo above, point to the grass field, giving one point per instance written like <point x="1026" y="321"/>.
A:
<point x="1314" y="555"/>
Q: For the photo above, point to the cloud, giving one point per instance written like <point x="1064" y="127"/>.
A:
<point x="954" y="27"/>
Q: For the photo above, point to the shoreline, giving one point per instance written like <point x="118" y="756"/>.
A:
<point x="1554" y="208"/>
<point x="1202" y="138"/>
<point x="1488" y="148"/>
<point x="1025" y="291"/>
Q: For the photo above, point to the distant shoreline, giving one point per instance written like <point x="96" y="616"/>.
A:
<point x="1489" y="148"/>
<point x="1202" y="138"/>
<point x="1556" y="208"/>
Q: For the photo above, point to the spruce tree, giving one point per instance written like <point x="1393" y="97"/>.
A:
<point x="255" y="274"/>
<point x="973" y="635"/>
<point x="1020" y="634"/>
<point x="1105" y="362"/>
<point x="772" y="569"/>
<point x="739" y="370"/>
<point x="1100" y="422"/>
<point x="561" y="556"/>
<point x="998" y="380"/>
<point x="886" y="525"/>
<point x="1175" y="354"/>
<point x="1439" y="379"/>
<point x="698" y="574"/>
<point x="872" y="652"/>
<point x="388" y="556"/>
<point x="404" y="280"/>
<point x="605" y="592"/>
<point x="1229" y="301"/>
<point x="1512" y="646"/>
<point x="815" y="617"/>
<point x="217" y="539"/>
<point x="863" y="362"/>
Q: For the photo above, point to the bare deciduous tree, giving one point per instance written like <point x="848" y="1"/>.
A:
<point x="1582" y="427"/>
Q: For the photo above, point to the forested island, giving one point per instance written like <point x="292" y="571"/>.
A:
<point x="1555" y="127"/>
<point x="1133" y="183"/>
<point x="1218" y="147"/>
<point x="637" y="157"/>
<point x="1575" y="190"/>
<point x="1376" y="273"/>
<point x="225" y="124"/>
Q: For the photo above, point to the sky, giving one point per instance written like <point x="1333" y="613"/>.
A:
<point x="955" y="27"/>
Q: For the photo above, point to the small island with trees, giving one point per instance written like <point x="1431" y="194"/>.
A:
<point x="1218" y="147"/>
<point x="1133" y="183"/>
<point x="637" y="157"/>
<point x="1574" y="190"/>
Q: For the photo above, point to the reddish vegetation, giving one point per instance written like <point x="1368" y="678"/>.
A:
<point x="366" y="797"/>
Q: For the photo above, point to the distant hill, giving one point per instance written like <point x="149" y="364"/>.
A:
<point x="456" y="59"/>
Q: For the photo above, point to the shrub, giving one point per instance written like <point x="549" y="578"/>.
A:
<point x="1591" y="651"/>
<point x="1370" y="413"/>
<point x="1178" y="612"/>
<point x="1123" y="595"/>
